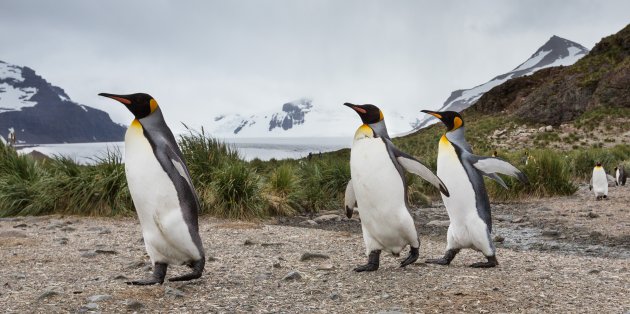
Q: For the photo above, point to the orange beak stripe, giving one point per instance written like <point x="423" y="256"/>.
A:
<point x="122" y="100"/>
<point x="359" y="110"/>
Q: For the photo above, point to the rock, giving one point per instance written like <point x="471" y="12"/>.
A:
<point x="309" y="256"/>
<point x="173" y="293"/>
<point x="104" y="231"/>
<point x="19" y="276"/>
<point x="385" y="296"/>
<point x="326" y="218"/>
<point x="549" y="128"/>
<point x="47" y="294"/>
<point x="550" y="233"/>
<point x="439" y="223"/>
<point x="212" y="259"/>
<point x="308" y="223"/>
<point x="89" y="254"/>
<point x="20" y="226"/>
<point x="517" y="220"/>
<point x="91" y="306"/>
<point x="503" y="217"/>
<point x="99" y="298"/>
<point x="594" y="271"/>
<point x="326" y="267"/>
<point x="249" y="242"/>
<point x="134" y="305"/>
<point x="592" y="215"/>
<point x="12" y="234"/>
<point x="99" y="251"/>
<point x="541" y="129"/>
<point x="276" y="264"/>
<point x="120" y="277"/>
<point x="271" y="244"/>
<point x="334" y="296"/>
<point x="62" y="241"/>
<point x="68" y="229"/>
<point x="294" y="275"/>
<point x="499" y="238"/>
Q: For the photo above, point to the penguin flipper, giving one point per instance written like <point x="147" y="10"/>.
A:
<point x="489" y="166"/>
<point x="414" y="166"/>
<point x="350" y="200"/>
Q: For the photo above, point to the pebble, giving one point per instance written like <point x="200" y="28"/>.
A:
<point x="518" y="220"/>
<point x="47" y="294"/>
<point x="212" y="259"/>
<point x="309" y="256"/>
<point x="249" y="242"/>
<point x="308" y="223"/>
<point x="120" y="277"/>
<point x="592" y="215"/>
<point x="325" y="218"/>
<point x="550" y="233"/>
<point x="68" y="229"/>
<point x="499" y="239"/>
<point x="325" y="267"/>
<point x="594" y="271"/>
<point x="134" y="305"/>
<point x="334" y="296"/>
<point x="62" y="241"/>
<point x="294" y="275"/>
<point x="20" y="226"/>
<point x="276" y="264"/>
<point x="174" y="293"/>
<point x="91" y="306"/>
<point x="99" y="251"/>
<point x="99" y="298"/>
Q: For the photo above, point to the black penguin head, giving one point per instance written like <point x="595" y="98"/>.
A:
<point x="452" y="119"/>
<point x="598" y="164"/>
<point x="369" y="113"/>
<point x="140" y="104"/>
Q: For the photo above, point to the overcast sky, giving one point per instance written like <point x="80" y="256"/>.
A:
<point x="202" y="58"/>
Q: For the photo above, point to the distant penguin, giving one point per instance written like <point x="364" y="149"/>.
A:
<point x="379" y="190"/>
<point x="162" y="191"/>
<point x="620" y="175"/>
<point x="468" y="205"/>
<point x="599" y="182"/>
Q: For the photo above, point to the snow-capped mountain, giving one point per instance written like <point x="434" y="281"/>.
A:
<point x="41" y="113"/>
<point x="556" y="51"/>
<point x="299" y="118"/>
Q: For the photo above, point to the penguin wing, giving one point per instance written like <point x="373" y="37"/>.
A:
<point x="350" y="200"/>
<point x="490" y="166"/>
<point x="414" y="166"/>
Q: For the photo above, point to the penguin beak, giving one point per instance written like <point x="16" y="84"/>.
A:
<point x="120" y="98"/>
<point x="433" y="113"/>
<point x="356" y="108"/>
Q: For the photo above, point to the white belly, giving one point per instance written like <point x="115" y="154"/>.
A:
<point x="618" y="177"/>
<point x="466" y="228"/>
<point x="600" y="182"/>
<point x="166" y="234"/>
<point x="385" y="220"/>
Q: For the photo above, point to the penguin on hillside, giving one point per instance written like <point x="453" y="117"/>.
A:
<point x="468" y="205"/>
<point x="378" y="189"/>
<point x="162" y="191"/>
<point x="620" y="175"/>
<point x="599" y="182"/>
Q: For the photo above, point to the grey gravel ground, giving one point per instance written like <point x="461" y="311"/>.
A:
<point x="79" y="264"/>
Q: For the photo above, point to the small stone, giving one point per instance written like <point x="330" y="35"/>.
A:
<point x="550" y="233"/>
<point x="276" y="264"/>
<point x="334" y="296"/>
<point x="308" y="223"/>
<point x="68" y="229"/>
<point x="518" y="220"/>
<point x="249" y="242"/>
<point x="309" y="256"/>
<point x="47" y="294"/>
<point x="120" y="277"/>
<point x="272" y="244"/>
<point x="20" y="226"/>
<point x="499" y="238"/>
<point x="99" y="298"/>
<point x="326" y="267"/>
<point x="385" y="296"/>
<point x="134" y="305"/>
<point x="19" y="276"/>
<point x="62" y="241"/>
<point x="549" y="128"/>
<point x="104" y="231"/>
<point x="105" y="252"/>
<point x="89" y="254"/>
<point x="91" y="306"/>
<point x="212" y="259"/>
<point x="594" y="271"/>
<point x="326" y="218"/>
<point x="592" y="215"/>
<point x="439" y="223"/>
<point x="174" y="293"/>
<point x="294" y="275"/>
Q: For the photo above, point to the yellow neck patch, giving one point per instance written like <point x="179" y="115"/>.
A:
<point x="153" y="104"/>
<point x="364" y="131"/>
<point x="136" y="124"/>
<point x="598" y="167"/>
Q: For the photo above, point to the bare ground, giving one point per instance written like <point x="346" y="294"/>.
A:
<point x="567" y="254"/>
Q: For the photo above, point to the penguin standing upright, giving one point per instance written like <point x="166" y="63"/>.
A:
<point x="620" y="175"/>
<point x="379" y="190"/>
<point x="468" y="205"/>
<point x="162" y="191"/>
<point x="599" y="182"/>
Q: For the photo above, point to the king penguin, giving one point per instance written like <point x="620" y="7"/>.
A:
<point x="620" y="175"/>
<point x="468" y="205"/>
<point x="378" y="189"/>
<point x="162" y="191"/>
<point x="599" y="182"/>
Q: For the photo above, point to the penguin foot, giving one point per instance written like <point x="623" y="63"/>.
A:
<point x="446" y="259"/>
<point x="157" y="278"/>
<point x="492" y="262"/>
<point x="197" y="267"/>
<point x="414" y="253"/>
<point x="373" y="262"/>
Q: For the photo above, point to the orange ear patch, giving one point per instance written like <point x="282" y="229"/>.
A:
<point x="381" y="115"/>
<point x="153" y="104"/>
<point x="457" y="122"/>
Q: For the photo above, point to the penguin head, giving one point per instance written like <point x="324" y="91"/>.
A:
<point x="452" y="119"/>
<point x="369" y="114"/>
<point x="598" y="164"/>
<point x="140" y="104"/>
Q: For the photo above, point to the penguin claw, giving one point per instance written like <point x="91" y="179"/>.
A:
<point x="145" y="282"/>
<point x="413" y="256"/>
<point x="438" y="261"/>
<point x="186" y="277"/>
<point x="366" y="267"/>
<point x="492" y="262"/>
